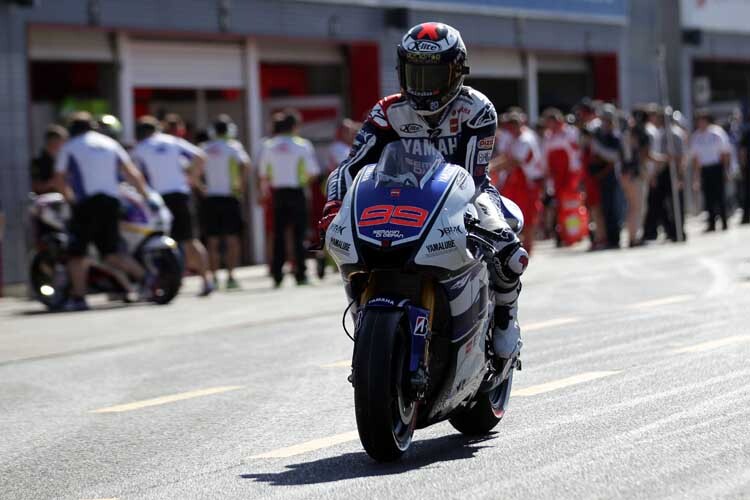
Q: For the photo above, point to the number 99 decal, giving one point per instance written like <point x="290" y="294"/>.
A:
<point x="377" y="215"/>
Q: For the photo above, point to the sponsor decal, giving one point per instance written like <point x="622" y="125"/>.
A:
<point x="341" y="245"/>
<point x="487" y="143"/>
<point x="424" y="46"/>
<point x="446" y="145"/>
<point x="378" y="215"/>
<point x="463" y="110"/>
<point x="393" y="234"/>
<point x="381" y="301"/>
<point x="450" y="230"/>
<point x="420" y="326"/>
<point x="411" y="128"/>
<point x="441" y="247"/>
<point x="337" y="228"/>
<point x="484" y="156"/>
<point x="454" y="125"/>
<point x="463" y="179"/>
<point x="434" y="105"/>
<point x="423" y="58"/>
<point x="395" y="193"/>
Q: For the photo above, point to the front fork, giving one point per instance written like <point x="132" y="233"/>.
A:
<point x="420" y="332"/>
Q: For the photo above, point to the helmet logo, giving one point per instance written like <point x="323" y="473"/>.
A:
<point x="430" y="31"/>
<point x="424" y="46"/>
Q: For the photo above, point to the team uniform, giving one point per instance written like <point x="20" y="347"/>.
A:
<point x="525" y="182"/>
<point x="288" y="163"/>
<point x="464" y="134"/>
<point x="91" y="163"/>
<point x="221" y="211"/>
<point x="707" y="147"/>
<point x="163" y="158"/>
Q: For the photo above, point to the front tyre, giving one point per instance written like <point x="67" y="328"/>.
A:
<point x="386" y="417"/>
<point x="49" y="280"/>
<point x="487" y="412"/>
<point x="168" y="267"/>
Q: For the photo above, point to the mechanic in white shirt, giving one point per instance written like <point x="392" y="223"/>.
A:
<point x="168" y="163"/>
<point x="86" y="172"/>
<point x="227" y="174"/>
<point x="286" y="165"/>
<point x="710" y="154"/>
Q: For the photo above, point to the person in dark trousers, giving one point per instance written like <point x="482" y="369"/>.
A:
<point x="660" y="201"/>
<point x="43" y="166"/>
<point x="745" y="163"/>
<point x="287" y="163"/>
<point x="710" y="154"/>
<point x="606" y="152"/>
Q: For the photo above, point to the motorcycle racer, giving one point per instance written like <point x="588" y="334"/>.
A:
<point x="460" y="122"/>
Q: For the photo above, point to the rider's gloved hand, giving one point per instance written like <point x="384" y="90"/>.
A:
<point x="330" y="211"/>
<point x="510" y="259"/>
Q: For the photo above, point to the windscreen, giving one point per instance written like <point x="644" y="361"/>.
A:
<point x="407" y="163"/>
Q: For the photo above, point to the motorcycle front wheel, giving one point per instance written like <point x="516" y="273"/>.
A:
<point x="49" y="280"/>
<point x="168" y="281"/>
<point x="386" y="417"/>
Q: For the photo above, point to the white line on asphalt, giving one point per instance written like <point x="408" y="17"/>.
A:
<point x="530" y="327"/>
<point x="315" y="444"/>
<point x="345" y="363"/>
<point x="562" y="383"/>
<point x="327" y="442"/>
<point x="676" y="299"/>
<point x="167" y="399"/>
<point x="713" y="344"/>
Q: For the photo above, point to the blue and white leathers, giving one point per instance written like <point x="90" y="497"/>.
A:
<point x="401" y="240"/>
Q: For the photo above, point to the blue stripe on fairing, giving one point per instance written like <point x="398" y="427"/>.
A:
<point x="74" y="177"/>
<point x="467" y="320"/>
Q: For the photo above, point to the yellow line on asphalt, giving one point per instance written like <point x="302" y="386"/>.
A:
<point x="713" y="344"/>
<point x="665" y="301"/>
<point x="167" y="399"/>
<point x="548" y="324"/>
<point x="346" y="363"/>
<point x="315" y="444"/>
<point x="562" y="383"/>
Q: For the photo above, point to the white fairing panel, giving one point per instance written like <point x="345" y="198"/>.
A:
<point x="445" y="244"/>
<point x="339" y="237"/>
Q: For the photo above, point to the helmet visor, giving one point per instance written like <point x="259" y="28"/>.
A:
<point x="427" y="80"/>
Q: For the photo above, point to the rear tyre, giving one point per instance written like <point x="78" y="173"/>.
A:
<point x="169" y="276"/>
<point x="489" y="409"/>
<point x="49" y="280"/>
<point x="385" y="416"/>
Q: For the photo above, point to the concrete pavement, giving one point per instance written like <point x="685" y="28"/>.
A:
<point x="635" y="385"/>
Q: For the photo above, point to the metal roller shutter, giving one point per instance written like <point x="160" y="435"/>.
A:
<point x="186" y="64"/>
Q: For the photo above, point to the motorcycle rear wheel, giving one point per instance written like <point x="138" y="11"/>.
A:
<point x="486" y="413"/>
<point x="386" y="418"/>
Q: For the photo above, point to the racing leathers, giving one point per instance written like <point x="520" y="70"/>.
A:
<point x="464" y="132"/>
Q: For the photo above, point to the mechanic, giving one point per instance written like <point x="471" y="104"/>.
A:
<point x="86" y="172"/>
<point x="169" y="163"/>
<point x="461" y="123"/>
<point x="287" y="163"/>
<point x="227" y="174"/>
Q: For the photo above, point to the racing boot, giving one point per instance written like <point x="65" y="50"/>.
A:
<point x="506" y="332"/>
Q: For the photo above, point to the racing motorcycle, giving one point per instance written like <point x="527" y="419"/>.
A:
<point x="413" y="258"/>
<point x="144" y="236"/>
